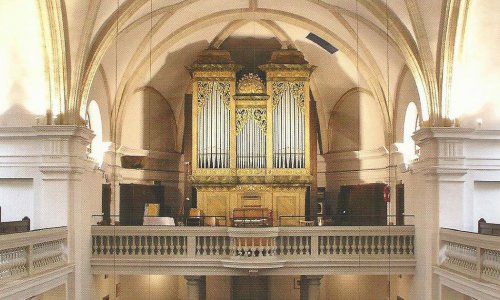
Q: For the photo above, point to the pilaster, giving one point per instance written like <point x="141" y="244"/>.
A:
<point x="66" y="187"/>
<point x="438" y="197"/>
<point x="310" y="287"/>
<point x="194" y="287"/>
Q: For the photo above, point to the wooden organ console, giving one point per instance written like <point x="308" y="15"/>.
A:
<point x="251" y="134"/>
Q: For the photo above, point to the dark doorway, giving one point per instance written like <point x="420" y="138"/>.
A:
<point x="250" y="288"/>
<point x="400" y="204"/>
<point x="362" y="205"/>
<point x="106" y="204"/>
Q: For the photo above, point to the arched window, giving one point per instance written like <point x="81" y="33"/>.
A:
<point x="410" y="150"/>
<point x="95" y="123"/>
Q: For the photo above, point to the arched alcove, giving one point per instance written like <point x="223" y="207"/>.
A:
<point x="356" y="124"/>
<point x="149" y="123"/>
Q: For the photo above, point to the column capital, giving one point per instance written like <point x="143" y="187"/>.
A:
<point x="310" y="287"/>
<point x="193" y="279"/>
<point x="195" y="287"/>
<point x="313" y="279"/>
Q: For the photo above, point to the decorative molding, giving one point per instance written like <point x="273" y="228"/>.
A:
<point x="206" y="89"/>
<point x="243" y="115"/>
<point x="250" y="84"/>
<point x="295" y="88"/>
<point x="380" y="152"/>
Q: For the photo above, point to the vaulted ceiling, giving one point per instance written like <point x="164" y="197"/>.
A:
<point x="129" y="44"/>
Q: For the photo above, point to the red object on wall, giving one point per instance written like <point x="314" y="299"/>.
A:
<point x="387" y="194"/>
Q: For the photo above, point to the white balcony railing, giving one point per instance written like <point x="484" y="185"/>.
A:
<point x="471" y="254"/>
<point x="31" y="253"/>
<point x="252" y="248"/>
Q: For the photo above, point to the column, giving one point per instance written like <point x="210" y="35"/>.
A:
<point x="69" y="194"/>
<point x="437" y="185"/>
<point x="310" y="287"/>
<point x="194" y="287"/>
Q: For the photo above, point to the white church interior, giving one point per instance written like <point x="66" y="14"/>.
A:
<point x="249" y="149"/>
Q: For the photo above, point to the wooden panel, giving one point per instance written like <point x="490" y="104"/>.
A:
<point x="286" y="205"/>
<point x="223" y="203"/>
<point x="488" y="228"/>
<point x="216" y="204"/>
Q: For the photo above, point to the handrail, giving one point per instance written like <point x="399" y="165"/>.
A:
<point x="167" y="243"/>
<point x="471" y="254"/>
<point x="29" y="253"/>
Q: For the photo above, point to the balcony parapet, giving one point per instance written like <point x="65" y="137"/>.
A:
<point x="271" y="250"/>
<point x="30" y="253"/>
<point x="471" y="254"/>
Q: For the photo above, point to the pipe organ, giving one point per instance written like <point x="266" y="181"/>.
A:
<point x="251" y="134"/>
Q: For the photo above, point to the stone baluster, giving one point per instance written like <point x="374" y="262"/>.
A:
<point x="198" y="245"/>
<point x="163" y="245"/>
<point x="321" y="245"/>
<point x="216" y="245"/>
<point x="398" y="245"/>
<point x="171" y="245"/>
<point x="491" y="266"/>
<point x="281" y="248"/>
<point x="133" y="246"/>
<point x="183" y="245"/>
<point x="296" y="246"/>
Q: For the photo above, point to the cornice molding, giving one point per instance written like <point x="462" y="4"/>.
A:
<point x="455" y="133"/>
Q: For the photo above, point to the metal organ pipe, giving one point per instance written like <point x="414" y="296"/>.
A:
<point x="250" y="141"/>
<point x="213" y="126"/>
<point x="288" y="129"/>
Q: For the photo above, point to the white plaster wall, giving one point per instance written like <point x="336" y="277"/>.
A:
<point x="486" y="202"/>
<point x="354" y="287"/>
<point x="371" y="126"/>
<point x="475" y="81"/>
<point x="218" y="287"/>
<point x="23" y="89"/>
<point x="16" y="199"/>
<point x="356" y="124"/>
<point x="282" y="287"/>
<point x="105" y="286"/>
<point x="57" y="293"/>
<point x="451" y="204"/>
<point x="450" y="294"/>
<point x="149" y="123"/>
<point x="148" y="287"/>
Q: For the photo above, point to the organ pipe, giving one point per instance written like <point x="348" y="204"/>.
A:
<point x="213" y="124"/>
<point x="288" y="125"/>
<point x="251" y="139"/>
